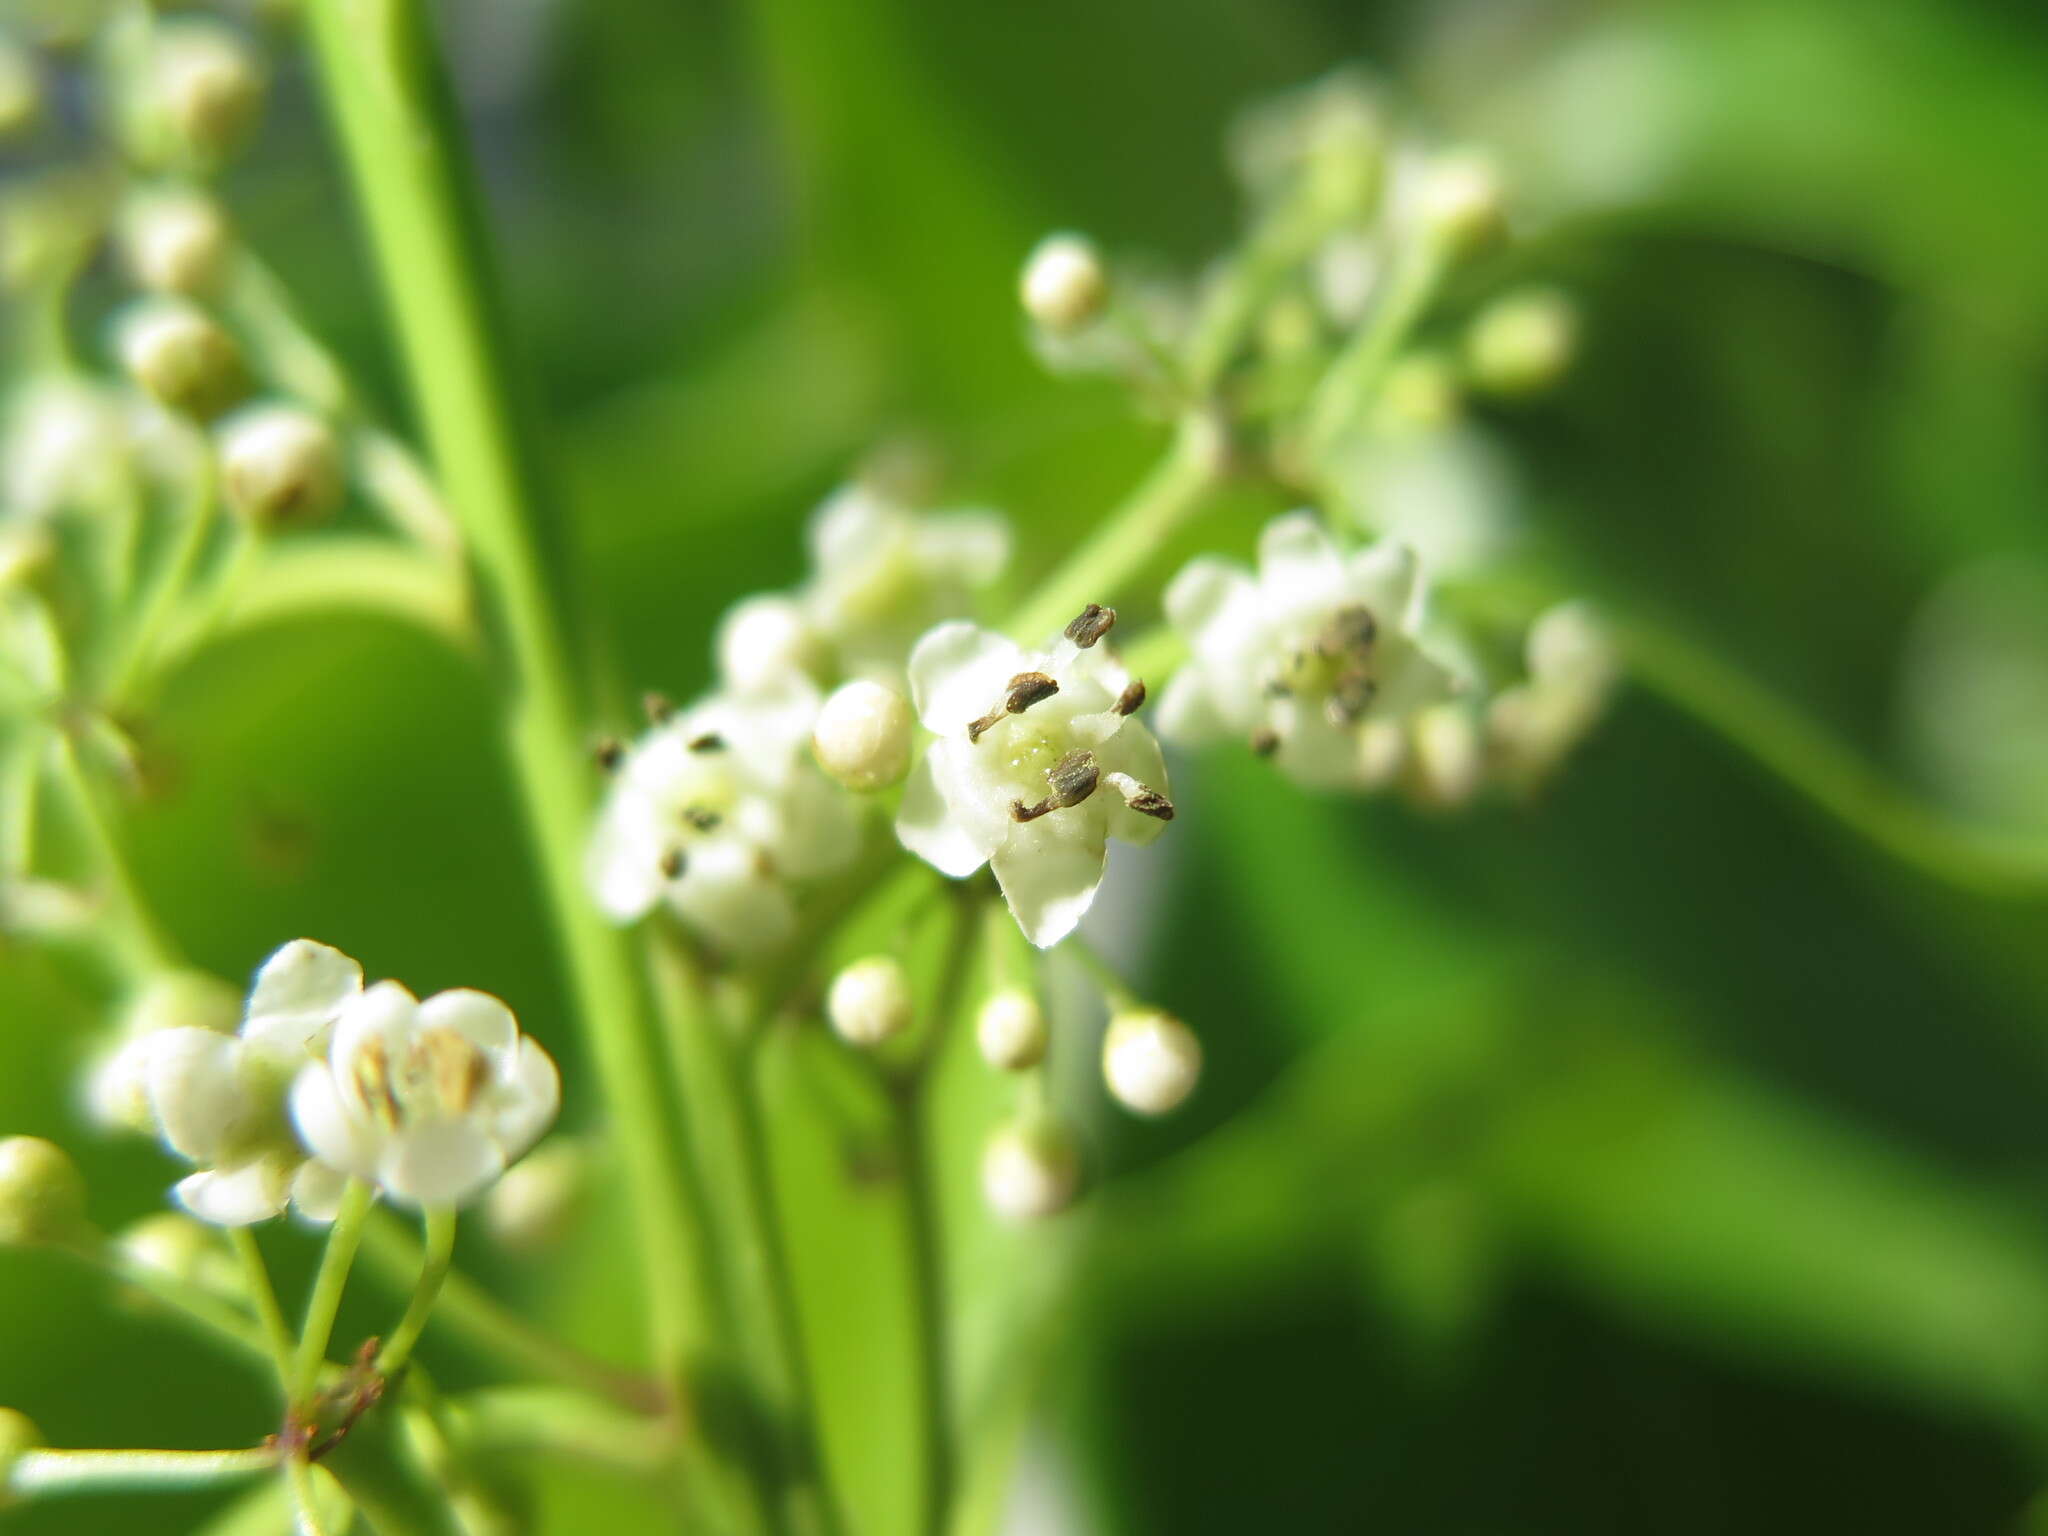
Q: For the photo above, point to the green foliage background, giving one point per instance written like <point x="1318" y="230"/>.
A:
<point x="1655" y="1158"/>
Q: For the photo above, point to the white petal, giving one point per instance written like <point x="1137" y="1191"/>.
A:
<point x="1135" y="751"/>
<point x="1049" y="876"/>
<point x="1299" y="568"/>
<point x="236" y="1197"/>
<point x="725" y="896"/>
<point x="1314" y="752"/>
<point x="926" y="826"/>
<point x="296" y="995"/>
<point x="1187" y="711"/>
<point x="622" y="865"/>
<point x="386" y="1013"/>
<point x="958" y="672"/>
<point x="316" y="1193"/>
<point x="819" y="828"/>
<point x="328" y="1126"/>
<point x="529" y="1101"/>
<point x="970" y="547"/>
<point x="1383" y="578"/>
<point x="196" y="1091"/>
<point x="1204" y="589"/>
<point x="439" y="1163"/>
<point x="477" y="1016"/>
<point x="848" y="526"/>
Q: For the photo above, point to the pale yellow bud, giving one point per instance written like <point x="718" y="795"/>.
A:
<point x="1064" y="286"/>
<point x="869" y="1001"/>
<point x="1522" y="343"/>
<point x="174" y="241"/>
<point x="862" y="736"/>
<point x="1030" y="1170"/>
<point x="1151" y="1061"/>
<point x="181" y="355"/>
<point x="280" y="465"/>
<point x="42" y="1194"/>
<point x="1010" y="1029"/>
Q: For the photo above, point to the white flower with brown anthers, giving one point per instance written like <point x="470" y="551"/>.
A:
<point x="715" y="810"/>
<point x="1039" y="760"/>
<point x="430" y="1101"/>
<point x="1309" y="661"/>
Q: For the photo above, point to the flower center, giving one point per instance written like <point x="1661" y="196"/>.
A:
<point x="437" y="1075"/>
<point x="1336" y="663"/>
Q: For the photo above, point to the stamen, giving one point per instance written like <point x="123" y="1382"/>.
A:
<point x="1265" y="741"/>
<point x="672" y="864"/>
<point x="1073" y="777"/>
<point x="609" y="753"/>
<point x="658" y="706"/>
<point x="1349" y="632"/>
<point x="1019" y="811"/>
<point x="1024" y="690"/>
<point x="710" y="741"/>
<point x="701" y="818"/>
<point x="1091" y="625"/>
<point x="1132" y="699"/>
<point x="373" y="1081"/>
<point x="454" y="1066"/>
<point x="1141" y="798"/>
<point x="1350" y="696"/>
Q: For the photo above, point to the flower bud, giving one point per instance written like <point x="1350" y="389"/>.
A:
<point x="531" y="1208"/>
<point x="1568" y="647"/>
<point x="1011" y="1031"/>
<point x="18" y="1436"/>
<point x="763" y="640"/>
<point x="169" y="1244"/>
<point x="21" y="90"/>
<point x="281" y="465"/>
<point x="181" y="355"/>
<point x="42" y="1193"/>
<point x="862" y="735"/>
<point x="174" y="241"/>
<point x="1522" y="343"/>
<point x="1447" y="757"/>
<point x="207" y="86"/>
<point x="869" y="1001"/>
<point x="1064" y="285"/>
<point x="1150" y="1060"/>
<point x="1030" y="1169"/>
<point x="1461" y="202"/>
<point x="1420" y="394"/>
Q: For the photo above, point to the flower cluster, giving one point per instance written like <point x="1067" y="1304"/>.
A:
<point x="325" y="1080"/>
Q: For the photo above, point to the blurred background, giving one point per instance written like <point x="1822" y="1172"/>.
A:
<point x="1657" y="1157"/>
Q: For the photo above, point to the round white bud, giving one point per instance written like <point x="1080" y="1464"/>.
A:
<point x="1522" y="343"/>
<point x="281" y="464"/>
<point x="1064" y="286"/>
<point x="1030" y="1169"/>
<point x="21" y="90"/>
<point x="181" y="355"/>
<point x="1461" y="201"/>
<point x="1568" y="647"/>
<point x="42" y="1193"/>
<point x="1447" y="756"/>
<point x="862" y="735"/>
<point x="208" y="86"/>
<point x="1151" y="1061"/>
<point x="174" y="241"/>
<point x="531" y="1207"/>
<point x="1010" y="1029"/>
<point x="1420" y="394"/>
<point x="869" y="1001"/>
<point x="18" y="1436"/>
<point x="170" y="1244"/>
<point x="764" y="640"/>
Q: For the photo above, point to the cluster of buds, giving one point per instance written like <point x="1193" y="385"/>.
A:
<point x="325" y="1080"/>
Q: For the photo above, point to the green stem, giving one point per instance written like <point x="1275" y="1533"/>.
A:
<point x="171" y="581"/>
<point x="328" y="1284"/>
<point x="438" y="1228"/>
<point x="133" y="938"/>
<point x="521" y="1420"/>
<point x="384" y="83"/>
<point x="211" y="1313"/>
<point x="277" y="1336"/>
<point x="469" y="1311"/>
<point x="1132" y="535"/>
<point x="1354" y="376"/>
<point x="40" y="1474"/>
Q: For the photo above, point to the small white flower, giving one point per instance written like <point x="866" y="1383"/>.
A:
<point x="869" y="1001"/>
<point x="431" y="1101"/>
<point x="218" y="1100"/>
<point x="65" y="445"/>
<point x="1303" y="660"/>
<point x="1038" y="761"/>
<point x="765" y="640"/>
<point x="715" y="811"/>
<point x="1150" y="1061"/>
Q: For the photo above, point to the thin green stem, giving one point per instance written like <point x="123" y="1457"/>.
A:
<point x="438" y="1229"/>
<point x="469" y="1311"/>
<point x="211" y="1313"/>
<point x="384" y="81"/>
<point x="550" y="1421"/>
<point x="332" y="1279"/>
<point x="46" y="1473"/>
<point x="276" y="1334"/>
<point x="1130" y="537"/>
<point x="133" y="936"/>
<point x="298" y="1477"/>
<point x="171" y="581"/>
<point x="1354" y="376"/>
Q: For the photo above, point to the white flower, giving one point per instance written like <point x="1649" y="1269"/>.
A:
<point x="218" y="1099"/>
<point x="65" y="445"/>
<point x="715" y="810"/>
<point x="1038" y="762"/>
<point x="431" y="1100"/>
<point x="881" y="574"/>
<point x="1305" y="659"/>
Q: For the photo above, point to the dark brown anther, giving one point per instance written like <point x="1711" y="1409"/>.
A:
<point x="710" y="741"/>
<point x="700" y="818"/>
<point x="609" y="753"/>
<point x="1027" y="689"/>
<point x="1350" y="697"/>
<point x="1149" y="802"/>
<point x="658" y="707"/>
<point x="1019" y="811"/>
<point x="1073" y="778"/>
<point x="1091" y="624"/>
<point x="1132" y="699"/>
<point x="1349" y="631"/>
<point x="1265" y="741"/>
<point x="672" y="863"/>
